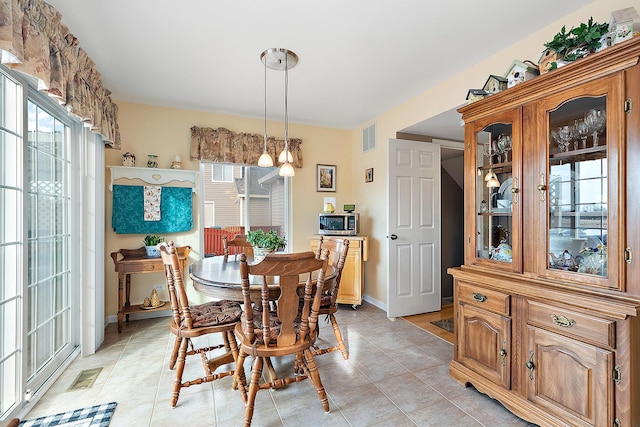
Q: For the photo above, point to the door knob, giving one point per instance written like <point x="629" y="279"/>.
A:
<point x="393" y="237"/>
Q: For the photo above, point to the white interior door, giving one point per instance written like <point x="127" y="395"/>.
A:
<point x="413" y="228"/>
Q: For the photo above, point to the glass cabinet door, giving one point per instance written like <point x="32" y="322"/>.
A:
<point x="496" y="192"/>
<point x="579" y="149"/>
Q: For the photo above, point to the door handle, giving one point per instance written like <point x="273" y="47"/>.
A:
<point x="393" y="237"/>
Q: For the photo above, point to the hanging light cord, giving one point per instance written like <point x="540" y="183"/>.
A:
<point x="265" y="105"/>
<point x="286" y="110"/>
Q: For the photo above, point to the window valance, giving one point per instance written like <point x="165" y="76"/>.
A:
<point x="224" y="146"/>
<point x="34" y="41"/>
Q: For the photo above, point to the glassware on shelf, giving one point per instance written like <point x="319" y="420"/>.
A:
<point x="499" y="147"/>
<point x="595" y="120"/>
<point x="582" y="131"/>
<point x="563" y="137"/>
<point x="504" y="145"/>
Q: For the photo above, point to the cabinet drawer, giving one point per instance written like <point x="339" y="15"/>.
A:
<point x="564" y="321"/>
<point x="144" y="267"/>
<point x="488" y="299"/>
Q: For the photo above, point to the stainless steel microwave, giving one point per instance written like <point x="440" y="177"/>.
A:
<point x="339" y="224"/>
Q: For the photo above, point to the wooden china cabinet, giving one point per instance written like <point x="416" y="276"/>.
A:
<point x="547" y="303"/>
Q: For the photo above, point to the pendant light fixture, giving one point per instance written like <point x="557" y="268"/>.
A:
<point x="265" y="159"/>
<point x="281" y="59"/>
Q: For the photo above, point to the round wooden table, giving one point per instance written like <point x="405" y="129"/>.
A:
<point x="219" y="279"/>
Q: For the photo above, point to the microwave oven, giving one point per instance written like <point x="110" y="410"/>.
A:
<point x="338" y="224"/>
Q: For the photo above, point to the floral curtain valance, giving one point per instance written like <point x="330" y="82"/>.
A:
<point x="34" y="41"/>
<point x="224" y="146"/>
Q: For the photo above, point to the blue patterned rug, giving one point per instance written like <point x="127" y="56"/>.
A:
<point x="95" y="416"/>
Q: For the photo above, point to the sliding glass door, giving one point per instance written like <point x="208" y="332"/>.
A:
<point x="11" y="243"/>
<point x="49" y="278"/>
<point x="39" y="279"/>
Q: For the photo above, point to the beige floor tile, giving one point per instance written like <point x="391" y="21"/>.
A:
<point x="396" y="375"/>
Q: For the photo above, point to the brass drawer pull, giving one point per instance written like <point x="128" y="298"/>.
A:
<point x="479" y="297"/>
<point x="563" y="321"/>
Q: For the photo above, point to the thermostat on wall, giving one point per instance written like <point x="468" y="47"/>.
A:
<point x="349" y="208"/>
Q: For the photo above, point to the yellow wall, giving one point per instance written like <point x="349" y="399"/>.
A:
<point x="371" y="197"/>
<point x="165" y="132"/>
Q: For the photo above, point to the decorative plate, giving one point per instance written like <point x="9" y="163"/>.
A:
<point x="505" y="189"/>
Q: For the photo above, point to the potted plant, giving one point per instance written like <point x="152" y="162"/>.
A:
<point x="151" y="242"/>
<point x="264" y="243"/>
<point x="568" y="46"/>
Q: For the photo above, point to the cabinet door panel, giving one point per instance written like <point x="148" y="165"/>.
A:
<point x="492" y="192"/>
<point x="569" y="378"/>
<point x="351" y="283"/>
<point x="579" y="186"/>
<point x="485" y="343"/>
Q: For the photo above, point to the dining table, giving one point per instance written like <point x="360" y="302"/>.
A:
<point x="219" y="277"/>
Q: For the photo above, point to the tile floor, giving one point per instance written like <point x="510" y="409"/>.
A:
<point x="396" y="375"/>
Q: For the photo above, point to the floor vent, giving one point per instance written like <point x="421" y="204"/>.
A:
<point x="369" y="138"/>
<point x="85" y="379"/>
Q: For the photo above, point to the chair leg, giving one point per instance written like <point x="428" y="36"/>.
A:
<point x="174" y="353"/>
<point x="256" y="373"/>
<point x="233" y="347"/>
<point x="239" y="378"/>
<point x="314" y="377"/>
<point x="338" y="334"/>
<point x="177" y="384"/>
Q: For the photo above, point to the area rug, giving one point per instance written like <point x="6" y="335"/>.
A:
<point x="446" y="324"/>
<point x="95" y="416"/>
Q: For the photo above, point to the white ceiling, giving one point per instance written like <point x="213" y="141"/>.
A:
<point x="358" y="58"/>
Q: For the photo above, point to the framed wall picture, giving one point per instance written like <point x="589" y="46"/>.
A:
<point x="326" y="178"/>
<point x="368" y="175"/>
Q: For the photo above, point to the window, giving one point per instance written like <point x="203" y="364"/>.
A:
<point x="48" y="230"/>
<point x="11" y="253"/>
<point x="39" y="265"/>
<point x="253" y="197"/>
<point x="221" y="173"/>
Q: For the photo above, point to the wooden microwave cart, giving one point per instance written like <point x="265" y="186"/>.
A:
<point x="135" y="261"/>
<point x="555" y="337"/>
<point x="352" y="283"/>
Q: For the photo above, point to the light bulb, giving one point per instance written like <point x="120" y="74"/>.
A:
<point x="265" y="160"/>
<point x="287" y="170"/>
<point x="282" y="158"/>
<point x="493" y="182"/>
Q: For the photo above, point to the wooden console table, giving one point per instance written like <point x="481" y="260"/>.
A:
<point x="134" y="261"/>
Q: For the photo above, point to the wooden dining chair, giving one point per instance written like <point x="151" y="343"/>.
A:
<point x="264" y="334"/>
<point x="191" y="321"/>
<point x="337" y="249"/>
<point x="236" y="246"/>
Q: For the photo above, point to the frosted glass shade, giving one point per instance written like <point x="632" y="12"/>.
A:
<point x="265" y="160"/>
<point x="287" y="170"/>
<point x="282" y="158"/>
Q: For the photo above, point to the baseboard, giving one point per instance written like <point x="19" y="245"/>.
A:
<point x="382" y="306"/>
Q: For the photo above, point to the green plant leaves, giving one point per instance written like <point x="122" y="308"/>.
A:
<point x="579" y="41"/>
